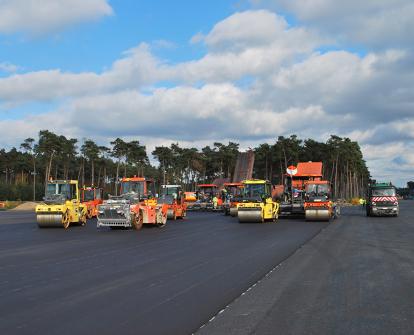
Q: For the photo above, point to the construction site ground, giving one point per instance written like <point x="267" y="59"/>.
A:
<point x="210" y="274"/>
<point x="355" y="277"/>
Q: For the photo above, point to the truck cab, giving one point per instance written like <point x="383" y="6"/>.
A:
<point x="382" y="200"/>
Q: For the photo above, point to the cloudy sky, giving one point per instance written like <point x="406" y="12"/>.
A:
<point x="202" y="71"/>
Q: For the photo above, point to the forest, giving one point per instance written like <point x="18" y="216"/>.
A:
<point x="24" y="170"/>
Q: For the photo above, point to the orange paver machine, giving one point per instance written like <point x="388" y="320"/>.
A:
<point x="92" y="197"/>
<point x="135" y="206"/>
<point x="174" y="197"/>
<point x="190" y="198"/>
<point x="232" y="195"/>
<point x="205" y="198"/>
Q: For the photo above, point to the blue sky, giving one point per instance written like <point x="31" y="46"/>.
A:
<point x="92" y="46"/>
<point x="211" y="71"/>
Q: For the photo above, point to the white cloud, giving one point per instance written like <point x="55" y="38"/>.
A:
<point x="370" y="23"/>
<point x="259" y="78"/>
<point x="38" y="17"/>
<point x="139" y="67"/>
<point x="9" y="67"/>
<point x="246" y="29"/>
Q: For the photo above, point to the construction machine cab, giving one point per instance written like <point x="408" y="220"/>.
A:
<point x="61" y="191"/>
<point x="91" y="194"/>
<point x="233" y="190"/>
<point x="317" y="190"/>
<point x="257" y="191"/>
<point x="171" y="194"/>
<point x="143" y="188"/>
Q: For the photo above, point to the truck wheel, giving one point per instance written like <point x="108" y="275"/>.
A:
<point x="82" y="220"/>
<point x="66" y="220"/>
<point x="137" y="222"/>
<point x="164" y="220"/>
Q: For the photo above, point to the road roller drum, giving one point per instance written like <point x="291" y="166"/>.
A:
<point x="317" y="215"/>
<point x="252" y="216"/>
<point x="49" y="220"/>
<point x="233" y="211"/>
<point x="170" y="214"/>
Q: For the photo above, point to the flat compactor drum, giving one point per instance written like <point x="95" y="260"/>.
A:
<point x="257" y="204"/>
<point x="61" y="205"/>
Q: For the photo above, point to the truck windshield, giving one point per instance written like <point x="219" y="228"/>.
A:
<point x="54" y="189"/>
<point x="383" y="192"/>
<point x="132" y="187"/>
<point x="317" y="189"/>
<point x="88" y="195"/>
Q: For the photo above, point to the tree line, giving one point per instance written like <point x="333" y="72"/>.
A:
<point x="24" y="171"/>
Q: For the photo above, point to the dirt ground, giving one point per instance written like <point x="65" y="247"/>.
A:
<point x="26" y="206"/>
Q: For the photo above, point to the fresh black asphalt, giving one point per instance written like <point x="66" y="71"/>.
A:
<point x="355" y="277"/>
<point x="154" y="281"/>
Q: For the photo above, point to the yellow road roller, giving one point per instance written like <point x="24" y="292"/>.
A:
<point x="257" y="204"/>
<point x="61" y="205"/>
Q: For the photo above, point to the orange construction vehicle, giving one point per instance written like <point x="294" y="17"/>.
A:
<point x="207" y="194"/>
<point x="293" y="199"/>
<point x="190" y="198"/>
<point x="232" y="195"/>
<point x="92" y="197"/>
<point x="135" y="206"/>
<point x="173" y="196"/>
<point x="318" y="201"/>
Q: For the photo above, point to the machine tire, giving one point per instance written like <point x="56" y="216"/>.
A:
<point x="83" y="219"/>
<point x="65" y="220"/>
<point x="164" y="221"/>
<point x="137" y="222"/>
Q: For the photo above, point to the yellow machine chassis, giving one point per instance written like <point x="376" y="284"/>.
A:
<point x="62" y="215"/>
<point x="258" y="211"/>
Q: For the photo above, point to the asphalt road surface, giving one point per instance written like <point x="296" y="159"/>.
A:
<point x="155" y="281"/>
<point x="355" y="277"/>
